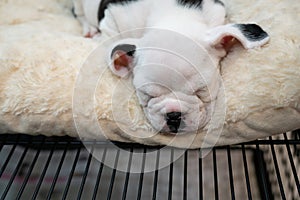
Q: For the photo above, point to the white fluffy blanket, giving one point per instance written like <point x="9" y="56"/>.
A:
<point x="45" y="90"/>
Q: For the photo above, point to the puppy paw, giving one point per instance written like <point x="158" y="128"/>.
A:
<point x="90" y="31"/>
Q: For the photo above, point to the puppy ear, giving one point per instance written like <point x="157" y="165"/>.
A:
<point x="249" y="35"/>
<point x="121" y="56"/>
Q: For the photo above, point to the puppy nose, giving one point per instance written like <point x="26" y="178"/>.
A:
<point x="173" y="121"/>
<point x="174" y="115"/>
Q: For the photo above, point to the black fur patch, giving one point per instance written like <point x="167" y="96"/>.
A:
<point x="128" y="48"/>
<point x="191" y="3"/>
<point x="252" y="32"/>
<point x="196" y="3"/>
<point x="104" y="4"/>
<point x="219" y="2"/>
<point x="73" y="12"/>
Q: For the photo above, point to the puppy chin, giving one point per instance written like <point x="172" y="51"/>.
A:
<point x="181" y="131"/>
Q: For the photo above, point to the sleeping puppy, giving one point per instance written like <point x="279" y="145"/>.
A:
<point x="173" y="56"/>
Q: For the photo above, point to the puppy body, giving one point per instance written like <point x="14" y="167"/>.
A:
<point x="86" y="12"/>
<point x="173" y="55"/>
<point x="112" y="17"/>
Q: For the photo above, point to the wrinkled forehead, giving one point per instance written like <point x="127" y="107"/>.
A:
<point x="187" y="71"/>
<point x="170" y="76"/>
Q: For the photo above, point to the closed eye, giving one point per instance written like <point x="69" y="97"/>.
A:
<point x="200" y="92"/>
<point x="203" y="94"/>
<point x="150" y="95"/>
<point x="144" y="98"/>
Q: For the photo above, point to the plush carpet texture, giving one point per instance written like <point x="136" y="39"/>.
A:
<point x="56" y="82"/>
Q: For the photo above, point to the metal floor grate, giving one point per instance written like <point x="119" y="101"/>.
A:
<point x="64" y="168"/>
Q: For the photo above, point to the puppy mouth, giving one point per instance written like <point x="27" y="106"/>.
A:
<point x="177" y="118"/>
<point x="178" y="125"/>
<point x="173" y="128"/>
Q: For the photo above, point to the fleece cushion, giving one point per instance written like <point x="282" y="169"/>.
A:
<point x="55" y="82"/>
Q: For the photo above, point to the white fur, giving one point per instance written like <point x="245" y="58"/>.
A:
<point x="190" y="33"/>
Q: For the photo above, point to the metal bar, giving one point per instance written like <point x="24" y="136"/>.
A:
<point x="9" y="155"/>
<point x="230" y="173"/>
<point x="297" y="132"/>
<point x="29" y="172"/>
<point x="140" y="188"/>
<point x="3" y="141"/>
<point x="200" y="176"/>
<point x="261" y="173"/>
<point x="105" y="143"/>
<point x="296" y="137"/>
<point x="111" y="185"/>
<point x="185" y="175"/>
<point x="277" y="170"/>
<point x="99" y="174"/>
<point x="127" y="175"/>
<point x="246" y="173"/>
<point x="156" y="175"/>
<point x="171" y="176"/>
<point x="71" y="174"/>
<point x="35" y="193"/>
<point x="87" y="167"/>
<point x="261" y="168"/>
<point x="7" y="159"/>
<point x="14" y="174"/>
<point x="275" y="142"/>
<point x="57" y="173"/>
<point x="292" y="164"/>
<point x="215" y="174"/>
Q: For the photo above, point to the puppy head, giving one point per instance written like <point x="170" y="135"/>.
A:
<point x="177" y="79"/>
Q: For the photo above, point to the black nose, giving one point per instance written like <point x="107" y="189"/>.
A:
<point x="173" y="121"/>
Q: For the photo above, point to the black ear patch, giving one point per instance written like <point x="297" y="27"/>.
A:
<point x="252" y="32"/>
<point x="128" y="48"/>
